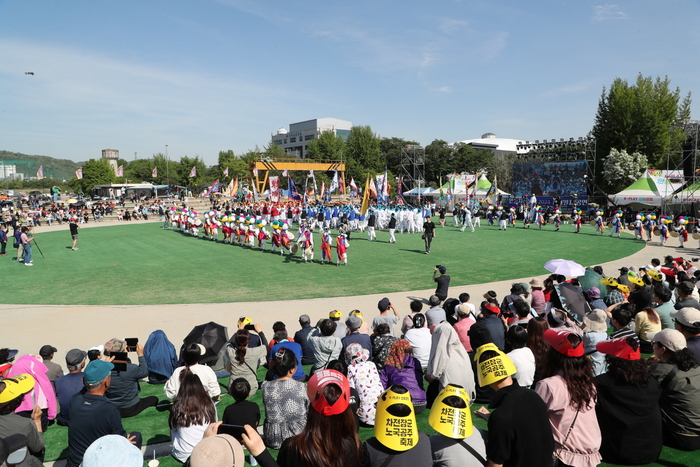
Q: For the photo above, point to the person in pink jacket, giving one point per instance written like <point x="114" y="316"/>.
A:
<point x="43" y="393"/>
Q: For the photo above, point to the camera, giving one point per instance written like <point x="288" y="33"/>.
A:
<point x="437" y="266"/>
<point x="694" y="260"/>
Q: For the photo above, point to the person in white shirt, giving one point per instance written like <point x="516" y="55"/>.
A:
<point x="522" y="356"/>
<point x="191" y="355"/>
<point x="420" y="339"/>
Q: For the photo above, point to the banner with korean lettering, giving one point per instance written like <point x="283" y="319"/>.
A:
<point x="274" y="189"/>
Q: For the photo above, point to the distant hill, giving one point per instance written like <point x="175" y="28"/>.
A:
<point x="61" y="169"/>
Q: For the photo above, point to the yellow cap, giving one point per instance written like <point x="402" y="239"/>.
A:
<point x="335" y="314"/>
<point x="637" y="280"/>
<point x="21" y="385"/>
<point x="623" y="288"/>
<point x="609" y="281"/>
<point x="450" y="421"/>
<point x="244" y="320"/>
<point x="395" y="422"/>
<point x="495" y="368"/>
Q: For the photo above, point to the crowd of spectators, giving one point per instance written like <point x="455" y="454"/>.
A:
<point x="558" y="387"/>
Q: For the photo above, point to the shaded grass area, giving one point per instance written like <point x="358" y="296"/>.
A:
<point x="153" y="425"/>
<point x="142" y="264"/>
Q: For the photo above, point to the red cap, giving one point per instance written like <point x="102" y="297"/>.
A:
<point x="318" y="382"/>
<point x="492" y="307"/>
<point x="559" y="340"/>
<point x="619" y="348"/>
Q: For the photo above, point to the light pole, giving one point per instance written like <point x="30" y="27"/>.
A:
<point x="167" y="166"/>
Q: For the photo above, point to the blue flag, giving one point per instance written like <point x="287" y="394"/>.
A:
<point x="293" y="192"/>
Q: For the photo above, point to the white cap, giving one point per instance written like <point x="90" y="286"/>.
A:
<point x="670" y="338"/>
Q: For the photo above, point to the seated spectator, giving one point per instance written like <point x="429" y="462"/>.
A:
<point x="449" y="361"/>
<point x="282" y="397"/>
<point x="7" y="356"/>
<point x="384" y="317"/>
<point x="42" y="394"/>
<point x="191" y="413"/>
<point x="224" y="451"/>
<point x="324" y="343"/>
<point x="55" y="371"/>
<point x="628" y="406"/>
<point x="363" y="376"/>
<point x="244" y="360"/>
<point x="678" y="374"/>
<point x="301" y="336"/>
<point x="664" y="306"/>
<point x="92" y="415"/>
<point x="340" y="328"/>
<point x="621" y="317"/>
<point x="595" y="331"/>
<point x="685" y="291"/>
<point x="401" y="368"/>
<point x="646" y="321"/>
<point x="364" y="329"/>
<point x="95" y="353"/>
<point x="521" y="356"/>
<point x="191" y="355"/>
<point x="523" y="313"/>
<point x="12" y="395"/>
<point x="592" y="296"/>
<point x="282" y="342"/>
<point x="466" y="318"/>
<point x="687" y="322"/>
<point x="392" y="444"/>
<point x="71" y="384"/>
<point x="420" y="339"/>
<point x="160" y="357"/>
<point x="124" y="386"/>
<point x="341" y="367"/>
<point x="278" y="326"/>
<point x="435" y="314"/>
<point x="407" y="323"/>
<point x="381" y="343"/>
<point x="242" y="412"/>
<point x="455" y="432"/>
<point x="353" y="324"/>
<point x="490" y="317"/>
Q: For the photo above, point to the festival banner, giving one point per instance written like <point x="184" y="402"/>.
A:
<point x="233" y="190"/>
<point x="342" y="185"/>
<point x="215" y="187"/>
<point x="353" y="187"/>
<point x="372" y="188"/>
<point x="285" y="173"/>
<point x="323" y="188"/>
<point x="120" y="171"/>
<point x="274" y="189"/>
<point x="154" y="174"/>
<point x="193" y="172"/>
<point x="366" y="195"/>
<point x="293" y="192"/>
<point x="79" y="173"/>
<point x="334" y="183"/>
<point x="226" y="172"/>
<point x="40" y="172"/>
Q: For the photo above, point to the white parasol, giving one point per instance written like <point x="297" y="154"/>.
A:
<point x="565" y="267"/>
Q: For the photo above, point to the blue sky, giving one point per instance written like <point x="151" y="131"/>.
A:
<point x="208" y="75"/>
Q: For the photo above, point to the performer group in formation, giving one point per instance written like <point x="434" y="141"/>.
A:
<point x="255" y="225"/>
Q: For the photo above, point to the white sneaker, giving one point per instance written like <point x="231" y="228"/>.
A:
<point x="28" y="264"/>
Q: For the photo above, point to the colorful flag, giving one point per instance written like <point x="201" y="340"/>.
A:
<point x="353" y="187"/>
<point x="215" y="187"/>
<point x="365" y="196"/>
<point x="334" y="183"/>
<point x="399" y="187"/>
<point x="226" y="172"/>
<point x="274" y="189"/>
<point x="79" y="173"/>
<point x="492" y="190"/>
<point x="255" y="171"/>
<point x="285" y="173"/>
<point x="120" y="171"/>
<point x="372" y="188"/>
<point x="385" y="188"/>
<point x="193" y="172"/>
<point x="40" y="172"/>
<point x="323" y="188"/>
<point x="154" y="174"/>
<point x="342" y="185"/>
<point x="233" y="191"/>
<point x="293" y="192"/>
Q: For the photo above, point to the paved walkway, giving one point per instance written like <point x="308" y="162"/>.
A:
<point x="28" y="327"/>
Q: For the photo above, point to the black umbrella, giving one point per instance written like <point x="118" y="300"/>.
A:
<point x="6" y="202"/>
<point x="212" y="336"/>
<point x="35" y="193"/>
<point x="572" y="300"/>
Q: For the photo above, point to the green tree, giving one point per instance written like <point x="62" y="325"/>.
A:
<point x="621" y="169"/>
<point x="471" y="160"/>
<point x="185" y="167"/>
<point x="139" y="171"/>
<point x="328" y="146"/>
<point x="439" y="161"/>
<point x="638" y="118"/>
<point x="362" y="153"/>
<point x="95" y="172"/>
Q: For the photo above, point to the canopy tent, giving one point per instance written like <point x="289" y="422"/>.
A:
<point x="690" y="194"/>
<point x="455" y="186"/>
<point x="482" y="188"/>
<point x="653" y="188"/>
<point x="418" y="191"/>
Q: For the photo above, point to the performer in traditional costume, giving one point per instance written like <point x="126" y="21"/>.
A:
<point x="682" y="231"/>
<point x="326" y="241"/>
<point x="263" y="234"/>
<point x="540" y="218"/>
<point x="341" y="246"/>
<point x="557" y="220"/>
<point x="276" y="237"/>
<point x="599" y="226"/>
<point x="637" y="227"/>
<point x="577" y="221"/>
<point x="501" y="217"/>
<point x="650" y="224"/>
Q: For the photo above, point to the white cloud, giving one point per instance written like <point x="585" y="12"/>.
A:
<point x="608" y="12"/>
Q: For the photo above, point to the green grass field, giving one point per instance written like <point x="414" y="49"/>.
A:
<point x="153" y="425"/>
<point x="142" y="264"/>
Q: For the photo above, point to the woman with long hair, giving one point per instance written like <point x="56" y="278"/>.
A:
<point x="628" y="405"/>
<point x="646" y="321"/>
<point x="678" y="373"/>
<point x="535" y="342"/>
<point x="191" y="413"/>
<point x="329" y="414"/>
<point x="243" y="361"/>
<point x="401" y="368"/>
<point x="568" y="390"/>
<point x="285" y="400"/>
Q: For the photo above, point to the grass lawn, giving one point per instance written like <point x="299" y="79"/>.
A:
<point x="142" y="264"/>
<point x="153" y="425"/>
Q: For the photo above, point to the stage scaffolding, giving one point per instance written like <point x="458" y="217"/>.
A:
<point x="684" y="158"/>
<point x="413" y="167"/>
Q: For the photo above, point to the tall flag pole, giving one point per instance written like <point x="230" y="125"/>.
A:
<point x="365" y="197"/>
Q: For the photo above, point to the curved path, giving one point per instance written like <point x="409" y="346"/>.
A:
<point x="28" y="327"/>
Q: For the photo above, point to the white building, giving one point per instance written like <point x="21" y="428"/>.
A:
<point x="9" y="172"/>
<point x="499" y="146"/>
<point x="295" y="141"/>
<point x="112" y="155"/>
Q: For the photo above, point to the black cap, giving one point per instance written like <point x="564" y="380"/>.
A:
<point x="47" y="350"/>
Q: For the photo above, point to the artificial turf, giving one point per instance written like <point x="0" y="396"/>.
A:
<point x="143" y="264"/>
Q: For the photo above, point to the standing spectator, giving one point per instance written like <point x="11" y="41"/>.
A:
<point x="443" y="282"/>
<point x="678" y="374"/>
<point x="17" y="233"/>
<point x="301" y="336"/>
<point x="124" y="385"/>
<point x="285" y="401"/>
<point x="384" y="307"/>
<point x="192" y="412"/>
<point x="13" y="391"/>
<point x="428" y="233"/>
<point x="55" y="370"/>
<point x="69" y="385"/>
<point x="3" y="240"/>
<point x="568" y="390"/>
<point x="25" y="240"/>
<point x="74" y="232"/>
<point x="42" y="394"/>
<point x="363" y="376"/>
<point x="628" y="406"/>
